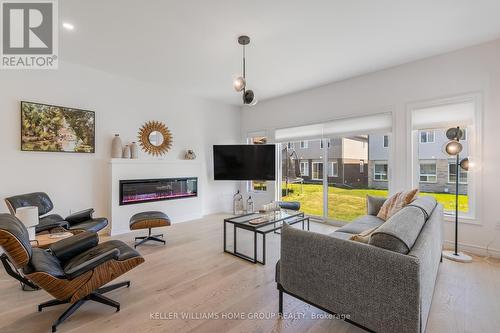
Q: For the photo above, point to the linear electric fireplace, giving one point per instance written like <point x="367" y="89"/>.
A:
<point x="147" y="190"/>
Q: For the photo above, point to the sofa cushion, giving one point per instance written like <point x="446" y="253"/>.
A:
<point x="400" y="232"/>
<point x="361" y="224"/>
<point x="426" y="204"/>
<point x="373" y="204"/>
<point x="395" y="203"/>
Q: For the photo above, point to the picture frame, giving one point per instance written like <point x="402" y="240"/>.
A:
<point x="54" y="128"/>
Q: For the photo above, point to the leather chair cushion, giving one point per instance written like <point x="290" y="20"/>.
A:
<point x="12" y="225"/>
<point x="93" y="225"/>
<point x="38" y="199"/>
<point x="97" y="255"/>
<point x="81" y="216"/>
<point x="70" y="247"/>
<point x="50" y="222"/>
<point x="44" y="261"/>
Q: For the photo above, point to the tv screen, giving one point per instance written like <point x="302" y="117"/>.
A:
<point x="244" y="162"/>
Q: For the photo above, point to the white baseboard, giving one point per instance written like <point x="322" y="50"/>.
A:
<point x="474" y="249"/>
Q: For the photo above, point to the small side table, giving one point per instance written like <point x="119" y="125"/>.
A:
<point x="43" y="241"/>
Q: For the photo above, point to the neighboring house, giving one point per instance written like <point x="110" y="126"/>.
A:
<point x="436" y="170"/>
<point x="347" y="161"/>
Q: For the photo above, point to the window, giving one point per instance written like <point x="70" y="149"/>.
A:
<point x="380" y="171"/>
<point x="321" y="144"/>
<point x="333" y="169"/>
<point x="290" y="145"/>
<point x="452" y="173"/>
<point x="361" y="166"/>
<point x="304" y="168"/>
<point x="426" y="136"/>
<point x="386" y="141"/>
<point x="428" y="172"/>
<point x="317" y="170"/>
<point x="304" y="144"/>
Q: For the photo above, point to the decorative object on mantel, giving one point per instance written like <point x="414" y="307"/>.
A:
<point x="116" y="147"/>
<point x="155" y="138"/>
<point x="190" y="155"/>
<point x="238" y="203"/>
<point x="134" y="150"/>
<point x="126" y="152"/>
<point x="454" y="148"/>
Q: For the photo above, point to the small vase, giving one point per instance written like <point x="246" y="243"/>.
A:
<point x="116" y="147"/>
<point x="134" y="150"/>
<point x="126" y="152"/>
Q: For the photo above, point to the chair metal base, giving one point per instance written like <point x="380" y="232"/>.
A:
<point x="149" y="237"/>
<point x="96" y="296"/>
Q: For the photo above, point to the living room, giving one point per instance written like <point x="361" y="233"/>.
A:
<point x="224" y="166"/>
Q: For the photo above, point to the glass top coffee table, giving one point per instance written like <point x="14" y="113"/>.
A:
<point x="261" y="223"/>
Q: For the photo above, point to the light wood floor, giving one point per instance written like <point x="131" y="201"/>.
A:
<point x="191" y="275"/>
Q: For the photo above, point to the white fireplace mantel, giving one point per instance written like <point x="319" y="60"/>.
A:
<point x="179" y="210"/>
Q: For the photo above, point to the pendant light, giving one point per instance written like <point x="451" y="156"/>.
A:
<point x="240" y="83"/>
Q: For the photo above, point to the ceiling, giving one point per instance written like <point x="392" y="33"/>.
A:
<point x="191" y="46"/>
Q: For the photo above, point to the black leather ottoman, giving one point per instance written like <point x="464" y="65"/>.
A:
<point x="148" y="220"/>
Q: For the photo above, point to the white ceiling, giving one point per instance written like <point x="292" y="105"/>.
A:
<point x="191" y="45"/>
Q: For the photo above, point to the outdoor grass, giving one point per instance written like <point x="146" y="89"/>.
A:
<point x="348" y="204"/>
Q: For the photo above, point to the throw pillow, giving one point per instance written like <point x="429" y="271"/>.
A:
<point x="395" y="203"/>
<point x="363" y="237"/>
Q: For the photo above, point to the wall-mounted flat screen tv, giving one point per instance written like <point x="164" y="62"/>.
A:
<point x="244" y="162"/>
<point x="52" y="128"/>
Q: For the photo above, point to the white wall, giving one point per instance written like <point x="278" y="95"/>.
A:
<point x="471" y="70"/>
<point x="77" y="181"/>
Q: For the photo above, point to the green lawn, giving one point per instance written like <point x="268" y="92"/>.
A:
<point x="348" y="204"/>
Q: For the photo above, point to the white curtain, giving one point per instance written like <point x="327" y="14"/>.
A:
<point x="444" y="116"/>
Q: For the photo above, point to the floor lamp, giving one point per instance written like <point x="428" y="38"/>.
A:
<point x="454" y="148"/>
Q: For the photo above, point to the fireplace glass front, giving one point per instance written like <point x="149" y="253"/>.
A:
<point x="147" y="190"/>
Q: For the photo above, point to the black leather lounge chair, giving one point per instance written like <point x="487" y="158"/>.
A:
<point x="80" y="221"/>
<point x="73" y="270"/>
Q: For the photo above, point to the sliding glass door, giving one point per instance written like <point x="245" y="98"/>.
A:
<point x="302" y="175"/>
<point x="331" y="177"/>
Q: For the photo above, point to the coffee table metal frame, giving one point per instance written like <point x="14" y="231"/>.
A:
<point x="291" y="219"/>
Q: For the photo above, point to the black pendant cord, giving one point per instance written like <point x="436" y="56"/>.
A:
<point x="244" y="69"/>
<point x="456" y="204"/>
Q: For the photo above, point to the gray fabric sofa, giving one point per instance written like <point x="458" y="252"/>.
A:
<point x="383" y="286"/>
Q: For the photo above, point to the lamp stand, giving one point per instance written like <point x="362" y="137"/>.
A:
<point x="455" y="255"/>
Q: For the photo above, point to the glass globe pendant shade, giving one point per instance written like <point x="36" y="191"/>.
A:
<point x="465" y="164"/>
<point x="453" y="148"/>
<point x="248" y="97"/>
<point x="239" y="83"/>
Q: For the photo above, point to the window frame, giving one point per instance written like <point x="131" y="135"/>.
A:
<point x="385" y="141"/>
<point x="460" y="181"/>
<point x="375" y="173"/>
<point x="313" y="163"/>
<point x="304" y="144"/>
<point x="427" y="132"/>
<point x="334" y="167"/>
<point x="306" y="163"/>
<point x="420" y="174"/>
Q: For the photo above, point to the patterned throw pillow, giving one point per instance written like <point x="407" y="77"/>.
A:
<point x="395" y="203"/>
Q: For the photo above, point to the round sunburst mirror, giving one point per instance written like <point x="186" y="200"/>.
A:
<point x="155" y="138"/>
